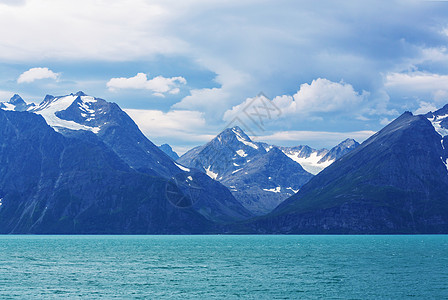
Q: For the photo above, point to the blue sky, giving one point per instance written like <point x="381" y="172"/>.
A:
<point x="185" y="69"/>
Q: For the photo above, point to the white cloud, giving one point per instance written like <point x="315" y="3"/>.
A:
<point x="5" y="95"/>
<point x="421" y="85"/>
<point x="64" y="29"/>
<point x="215" y="100"/>
<point x="417" y="81"/>
<point x="160" y="126"/>
<point x="321" y="96"/>
<point x="12" y="2"/>
<point x="385" y="121"/>
<point x="158" y="85"/>
<point x="425" y="107"/>
<point x="34" y="74"/>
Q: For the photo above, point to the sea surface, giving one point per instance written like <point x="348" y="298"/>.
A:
<point x="224" y="267"/>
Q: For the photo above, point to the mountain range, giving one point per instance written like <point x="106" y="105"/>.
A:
<point x="88" y="120"/>
<point x="79" y="164"/>
<point x="259" y="175"/>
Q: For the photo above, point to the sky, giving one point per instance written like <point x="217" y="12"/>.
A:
<point x="288" y="72"/>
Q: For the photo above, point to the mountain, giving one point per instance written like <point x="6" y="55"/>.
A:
<point x="75" y="115"/>
<point x="395" y="182"/>
<point x="51" y="183"/>
<point x="16" y="103"/>
<point x="315" y="160"/>
<point x="259" y="178"/>
<point x="339" y="150"/>
<point x="264" y="182"/>
<point x="169" y="151"/>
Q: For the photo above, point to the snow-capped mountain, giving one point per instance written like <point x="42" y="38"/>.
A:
<point x="439" y="120"/>
<point x="16" y="103"/>
<point x="88" y="118"/>
<point x="228" y="152"/>
<point x="75" y="112"/>
<point x="315" y="160"/>
<point x="56" y="184"/>
<point x="259" y="178"/>
<point x="394" y="182"/>
<point x="307" y="157"/>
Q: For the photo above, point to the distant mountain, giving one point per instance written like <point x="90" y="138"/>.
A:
<point x="315" y="160"/>
<point x="264" y="182"/>
<point x="169" y="151"/>
<point x="339" y="150"/>
<point x="259" y="178"/>
<point x="16" y="103"/>
<point x="50" y="183"/>
<point x="395" y="182"/>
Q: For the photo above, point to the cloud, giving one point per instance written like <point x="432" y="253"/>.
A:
<point x="385" y="121"/>
<point x="321" y="96"/>
<point x="183" y="125"/>
<point x="417" y="81"/>
<point x="13" y="2"/>
<point x="425" y="107"/>
<point x="419" y="85"/>
<point x="158" y="85"/>
<point x="216" y="100"/>
<point x="5" y="95"/>
<point x="34" y="74"/>
<point x="87" y="30"/>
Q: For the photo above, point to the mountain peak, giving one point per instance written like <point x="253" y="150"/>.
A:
<point x="80" y="94"/>
<point x="169" y="151"/>
<point x="235" y="135"/>
<point x="339" y="150"/>
<point x="16" y="103"/>
<point x="48" y="98"/>
<point x="16" y="99"/>
<point x="348" y="143"/>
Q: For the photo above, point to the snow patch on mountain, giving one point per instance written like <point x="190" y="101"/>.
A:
<point x="274" y="190"/>
<point x="210" y="173"/>
<point x="182" y="168"/>
<point x="8" y="106"/>
<point x="311" y="163"/>
<point x="48" y="110"/>
<point x="233" y="172"/>
<point x="436" y="123"/>
<point x="241" y="153"/>
<point x="293" y="190"/>
<point x="243" y="140"/>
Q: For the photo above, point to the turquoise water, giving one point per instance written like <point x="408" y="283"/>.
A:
<point x="224" y="267"/>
